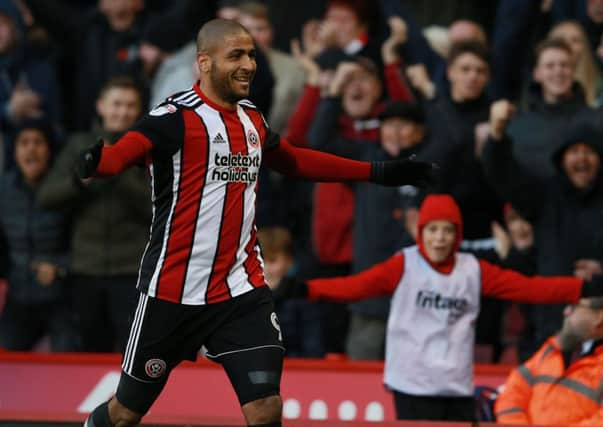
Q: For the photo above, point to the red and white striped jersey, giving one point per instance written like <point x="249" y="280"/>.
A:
<point x="204" y="174"/>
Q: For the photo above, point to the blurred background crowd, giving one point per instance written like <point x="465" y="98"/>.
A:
<point x="504" y="95"/>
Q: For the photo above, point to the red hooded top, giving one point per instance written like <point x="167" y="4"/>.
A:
<point x="383" y="278"/>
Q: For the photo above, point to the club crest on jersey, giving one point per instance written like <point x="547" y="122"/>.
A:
<point x="155" y="368"/>
<point x="253" y="138"/>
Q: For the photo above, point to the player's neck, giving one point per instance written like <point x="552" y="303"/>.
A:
<point x="209" y="95"/>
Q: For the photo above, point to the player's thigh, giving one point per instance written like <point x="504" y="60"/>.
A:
<point x="162" y="334"/>
<point x="249" y="346"/>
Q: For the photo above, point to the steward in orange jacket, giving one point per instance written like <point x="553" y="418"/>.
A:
<point x="553" y="387"/>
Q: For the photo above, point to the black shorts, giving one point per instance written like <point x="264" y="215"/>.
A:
<point x="242" y="334"/>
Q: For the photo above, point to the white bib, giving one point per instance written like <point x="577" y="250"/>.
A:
<point x="431" y="327"/>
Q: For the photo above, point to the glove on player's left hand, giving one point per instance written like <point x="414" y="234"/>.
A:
<point x="291" y="288"/>
<point x="593" y="287"/>
<point x="394" y="173"/>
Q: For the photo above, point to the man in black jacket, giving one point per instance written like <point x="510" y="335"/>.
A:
<point x="565" y="209"/>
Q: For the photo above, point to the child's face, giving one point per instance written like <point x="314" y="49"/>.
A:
<point x="439" y="238"/>
<point x="276" y="267"/>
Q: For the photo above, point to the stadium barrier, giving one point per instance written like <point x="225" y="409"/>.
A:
<point x="63" y="388"/>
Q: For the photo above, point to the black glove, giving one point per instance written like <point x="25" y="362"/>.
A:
<point x="289" y="288"/>
<point x="394" y="173"/>
<point x="88" y="160"/>
<point x="593" y="287"/>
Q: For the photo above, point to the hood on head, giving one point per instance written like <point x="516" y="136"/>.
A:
<point x="437" y="207"/>
<point x="576" y="133"/>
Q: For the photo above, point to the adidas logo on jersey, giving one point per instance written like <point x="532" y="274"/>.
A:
<point x="219" y="139"/>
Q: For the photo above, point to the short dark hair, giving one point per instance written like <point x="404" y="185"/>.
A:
<point x="214" y="31"/>
<point x="468" y="46"/>
<point x="551" y="43"/>
<point x="256" y="9"/>
<point x="120" y="82"/>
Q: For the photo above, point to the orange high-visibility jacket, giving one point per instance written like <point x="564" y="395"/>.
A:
<point x="543" y="391"/>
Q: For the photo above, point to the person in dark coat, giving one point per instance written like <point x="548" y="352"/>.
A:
<point x="552" y="98"/>
<point x="564" y="209"/>
<point x="464" y="108"/>
<point x="35" y="249"/>
<point x="110" y="224"/>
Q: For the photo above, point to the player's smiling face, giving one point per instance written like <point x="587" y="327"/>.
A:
<point x="233" y="67"/>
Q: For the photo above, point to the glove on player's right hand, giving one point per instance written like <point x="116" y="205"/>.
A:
<point x="394" y="173"/>
<point x="291" y="288"/>
<point x="88" y="161"/>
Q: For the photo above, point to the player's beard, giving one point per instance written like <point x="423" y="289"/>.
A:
<point x="221" y="84"/>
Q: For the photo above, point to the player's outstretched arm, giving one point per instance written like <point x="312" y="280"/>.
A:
<point x="109" y="160"/>
<point x="323" y="167"/>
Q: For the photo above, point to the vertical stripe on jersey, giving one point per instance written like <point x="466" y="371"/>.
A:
<point x="165" y="179"/>
<point x="153" y="219"/>
<point x="232" y="218"/>
<point x="238" y="278"/>
<point x="208" y="223"/>
<point x="181" y="237"/>
<point x="252" y="263"/>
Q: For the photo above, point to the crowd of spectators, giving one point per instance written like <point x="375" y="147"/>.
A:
<point x="505" y="98"/>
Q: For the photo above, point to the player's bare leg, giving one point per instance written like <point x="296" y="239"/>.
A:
<point x="264" y="412"/>
<point x="112" y="414"/>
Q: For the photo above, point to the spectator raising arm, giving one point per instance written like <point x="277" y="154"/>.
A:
<point x="417" y="49"/>
<point x="394" y="80"/>
<point x="503" y="172"/>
